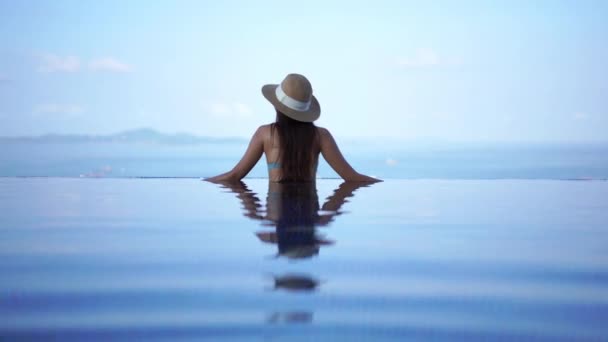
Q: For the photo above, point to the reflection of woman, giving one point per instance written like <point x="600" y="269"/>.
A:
<point x="293" y="210"/>
<point x="293" y="143"/>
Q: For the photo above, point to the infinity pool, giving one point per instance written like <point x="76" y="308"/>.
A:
<point x="181" y="259"/>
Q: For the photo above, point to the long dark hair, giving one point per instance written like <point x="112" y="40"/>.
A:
<point x="298" y="215"/>
<point x="299" y="143"/>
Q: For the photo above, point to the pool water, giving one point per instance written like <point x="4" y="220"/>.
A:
<point x="182" y="259"/>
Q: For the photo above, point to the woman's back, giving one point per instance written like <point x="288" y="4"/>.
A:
<point x="292" y="149"/>
<point x="277" y="161"/>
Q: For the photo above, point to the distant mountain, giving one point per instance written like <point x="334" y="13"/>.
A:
<point x="142" y="135"/>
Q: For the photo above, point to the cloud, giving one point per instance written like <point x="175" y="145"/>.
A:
<point x="231" y="110"/>
<point x="580" y="116"/>
<point x="219" y="109"/>
<point x="54" y="108"/>
<point x="391" y="162"/>
<point x="109" y="64"/>
<point x="242" y="109"/>
<point x="54" y="63"/>
<point x="424" y="58"/>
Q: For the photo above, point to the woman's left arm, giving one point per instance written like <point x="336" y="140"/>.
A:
<point x="242" y="168"/>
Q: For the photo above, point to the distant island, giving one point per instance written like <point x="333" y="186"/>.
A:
<point x="152" y="136"/>
<point x="142" y="135"/>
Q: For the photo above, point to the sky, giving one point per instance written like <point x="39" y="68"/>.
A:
<point x="474" y="71"/>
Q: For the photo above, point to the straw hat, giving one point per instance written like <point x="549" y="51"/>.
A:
<point x="293" y="97"/>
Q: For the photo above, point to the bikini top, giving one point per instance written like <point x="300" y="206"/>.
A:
<point x="275" y="165"/>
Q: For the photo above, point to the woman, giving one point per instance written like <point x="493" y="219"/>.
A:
<point x="293" y="143"/>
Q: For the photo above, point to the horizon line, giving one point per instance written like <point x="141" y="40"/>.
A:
<point x="184" y="134"/>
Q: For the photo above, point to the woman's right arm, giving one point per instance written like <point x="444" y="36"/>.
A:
<point x="335" y="159"/>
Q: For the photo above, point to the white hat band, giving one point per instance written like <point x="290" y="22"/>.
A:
<point x="291" y="102"/>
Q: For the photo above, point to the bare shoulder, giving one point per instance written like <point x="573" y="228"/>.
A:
<point x="325" y="137"/>
<point x="263" y="131"/>
<point x="323" y="132"/>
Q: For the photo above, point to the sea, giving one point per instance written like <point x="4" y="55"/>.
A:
<point x="384" y="159"/>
